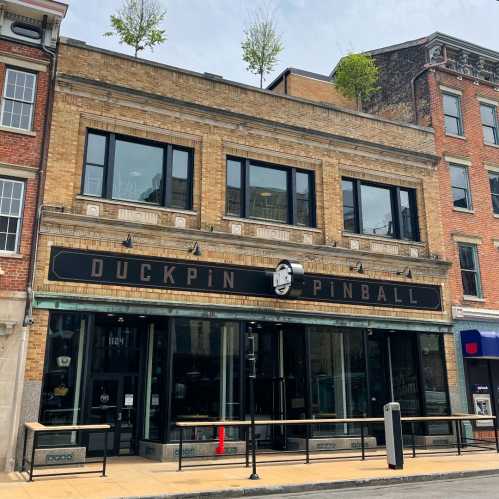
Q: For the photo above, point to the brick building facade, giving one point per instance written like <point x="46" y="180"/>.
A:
<point x="28" y="36"/>
<point x="453" y="86"/>
<point x="170" y="199"/>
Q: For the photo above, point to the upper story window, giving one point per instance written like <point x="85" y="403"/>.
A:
<point x="461" y="193"/>
<point x="453" y="114"/>
<point x="488" y="114"/>
<point x="11" y="207"/>
<point x="494" y="191"/>
<point x="272" y="193"/>
<point x="470" y="270"/>
<point x="27" y="30"/>
<point x="18" y="99"/>
<point x="379" y="210"/>
<point x="121" y="168"/>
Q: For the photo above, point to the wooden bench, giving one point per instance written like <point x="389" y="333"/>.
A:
<point x="37" y="429"/>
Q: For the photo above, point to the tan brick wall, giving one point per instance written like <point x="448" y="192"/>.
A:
<point x="36" y="345"/>
<point x="213" y="135"/>
<point x="315" y="90"/>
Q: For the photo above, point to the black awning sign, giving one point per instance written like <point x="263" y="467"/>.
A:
<point x="286" y="281"/>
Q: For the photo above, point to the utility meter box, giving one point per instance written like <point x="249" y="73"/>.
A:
<point x="393" y="436"/>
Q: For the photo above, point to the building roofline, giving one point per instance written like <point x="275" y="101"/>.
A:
<point x="54" y="7"/>
<point x="463" y="44"/>
<point x="299" y="72"/>
<point x="437" y="36"/>
<point x="213" y="78"/>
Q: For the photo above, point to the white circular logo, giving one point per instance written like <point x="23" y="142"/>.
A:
<point x="287" y="279"/>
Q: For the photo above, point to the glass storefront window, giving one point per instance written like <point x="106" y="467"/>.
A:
<point x="157" y="355"/>
<point x="338" y="377"/>
<point x="436" y="398"/>
<point x="405" y="373"/>
<point x="63" y="370"/>
<point x="205" y="373"/>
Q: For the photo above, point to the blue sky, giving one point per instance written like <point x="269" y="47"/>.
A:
<point x="205" y="35"/>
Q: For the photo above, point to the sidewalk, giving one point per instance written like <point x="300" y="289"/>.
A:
<point x="136" y="477"/>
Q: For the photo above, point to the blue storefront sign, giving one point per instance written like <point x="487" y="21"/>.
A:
<point x="480" y="344"/>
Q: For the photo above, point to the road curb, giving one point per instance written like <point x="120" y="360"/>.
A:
<point x="312" y="487"/>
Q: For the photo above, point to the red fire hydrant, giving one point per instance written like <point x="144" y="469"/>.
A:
<point x="221" y="441"/>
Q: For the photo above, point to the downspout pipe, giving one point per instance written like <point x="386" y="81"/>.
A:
<point x="28" y="318"/>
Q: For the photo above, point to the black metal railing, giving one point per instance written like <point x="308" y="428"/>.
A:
<point x="28" y="463"/>
<point x="306" y="455"/>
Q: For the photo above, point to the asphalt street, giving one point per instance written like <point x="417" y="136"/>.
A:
<point x="477" y="487"/>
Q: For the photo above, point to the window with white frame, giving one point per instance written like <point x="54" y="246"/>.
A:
<point x="461" y="194"/>
<point x="494" y="191"/>
<point x="11" y="206"/>
<point x="18" y="99"/>
<point x="470" y="270"/>
<point x="452" y="114"/>
<point x="488" y="114"/>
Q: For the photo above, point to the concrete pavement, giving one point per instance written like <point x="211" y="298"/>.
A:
<point x="136" y="477"/>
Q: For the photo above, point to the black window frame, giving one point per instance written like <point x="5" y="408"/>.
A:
<point x="395" y="205"/>
<point x="36" y="30"/>
<point x="291" y="191"/>
<point x="468" y="196"/>
<point x="475" y="270"/>
<point x="494" y="127"/>
<point x="492" y="193"/>
<point x="108" y="169"/>
<point x="458" y="118"/>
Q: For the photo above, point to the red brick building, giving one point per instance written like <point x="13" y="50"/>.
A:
<point x="452" y="86"/>
<point x="28" y="39"/>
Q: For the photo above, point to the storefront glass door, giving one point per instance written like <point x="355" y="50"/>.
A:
<point x="280" y="381"/>
<point x="112" y="388"/>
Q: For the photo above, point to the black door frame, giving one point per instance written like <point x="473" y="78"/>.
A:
<point x="89" y="376"/>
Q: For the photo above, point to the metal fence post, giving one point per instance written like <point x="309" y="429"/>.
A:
<point x="362" y="440"/>
<point x="180" y="448"/>
<point x="104" y="460"/>
<point x="458" y="437"/>
<point x="32" y="463"/>
<point x="307" y="443"/>
<point x="246" y="432"/>
<point x="495" y="433"/>
<point x="413" y="431"/>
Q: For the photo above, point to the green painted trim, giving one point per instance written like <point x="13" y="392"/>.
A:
<point x="204" y="311"/>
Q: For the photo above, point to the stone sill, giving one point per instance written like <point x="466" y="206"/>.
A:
<point x="473" y="298"/>
<point x="9" y="254"/>
<point x="381" y="239"/>
<point x="19" y="131"/>
<point x="463" y="210"/>
<point x="271" y="224"/>
<point x="453" y="135"/>
<point x="143" y="206"/>
<point x="488" y="144"/>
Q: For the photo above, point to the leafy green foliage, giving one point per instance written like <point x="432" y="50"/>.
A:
<point x="357" y="77"/>
<point x="137" y="24"/>
<point x="261" y="45"/>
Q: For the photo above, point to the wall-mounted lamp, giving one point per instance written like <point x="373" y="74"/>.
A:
<point x="195" y="249"/>
<point x="406" y="273"/>
<point x="128" y="243"/>
<point x="358" y="267"/>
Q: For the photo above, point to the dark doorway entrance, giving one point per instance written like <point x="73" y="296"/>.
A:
<point x="280" y="380"/>
<point x="112" y="388"/>
<point x="392" y="361"/>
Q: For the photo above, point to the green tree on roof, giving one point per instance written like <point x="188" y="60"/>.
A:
<point x="357" y="77"/>
<point x="137" y="23"/>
